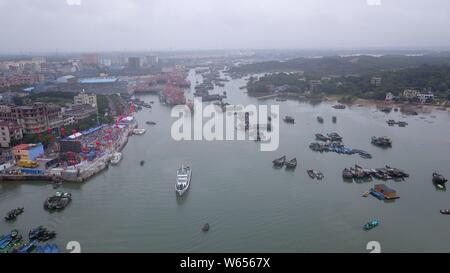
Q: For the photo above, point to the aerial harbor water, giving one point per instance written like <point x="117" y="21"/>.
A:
<point x="249" y="205"/>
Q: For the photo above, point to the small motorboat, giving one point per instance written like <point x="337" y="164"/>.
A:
<point x="365" y="194"/>
<point x="142" y="162"/>
<point x="138" y="131"/>
<point x="291" y="163"/>
<point x="370" y="225"/>
<point x="334" y="119"/>
<point x="116" y="158"/>
<point x="338" y="106"/>
<point x="279" y="162"/>
<point x="289" y="119"/>
<point x="445" y="211"/>
<point x="205" y="227"/>
<point x="150" y="123"/>
<point x="439" y="178"/>
<point x="311" y="174"/>
<point x="319" y="175"/>
<point x="320" y="119"/>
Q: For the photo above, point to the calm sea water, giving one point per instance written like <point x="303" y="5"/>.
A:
<point x="250" y="206"/>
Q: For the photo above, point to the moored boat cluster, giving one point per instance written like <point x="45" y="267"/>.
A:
<point x="386" y="173"/>
<point x="333" y="143"/>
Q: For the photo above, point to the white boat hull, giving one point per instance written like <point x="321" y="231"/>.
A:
<point x="180" y="192"/>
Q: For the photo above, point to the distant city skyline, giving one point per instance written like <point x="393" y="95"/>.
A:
<point x="48" y="26"/>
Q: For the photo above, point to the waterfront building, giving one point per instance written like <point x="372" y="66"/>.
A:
<point x="375" y="81"/>
<point x="314" y="85"/>
<point x="389" y="96"/>
<point x="78" y="112"/>
<point x="85" y="98"/>
<point x="27" y="151"/>
<point x="8" y="131"/>
<point x="425" y="97"/>
<point x="410" y="93"/>
<point x="38" y="117"/>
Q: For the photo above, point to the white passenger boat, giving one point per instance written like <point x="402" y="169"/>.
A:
<point x="183" y="179"/>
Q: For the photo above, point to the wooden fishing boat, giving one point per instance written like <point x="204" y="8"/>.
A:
<point x="291" y="163"/>
<point x="279" y="161"/>
<point x="439" y="178"/>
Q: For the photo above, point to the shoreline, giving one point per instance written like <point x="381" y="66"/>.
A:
<point x="81" y="173"/>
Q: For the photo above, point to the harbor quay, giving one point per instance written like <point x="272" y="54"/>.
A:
<point x="74" y="158"/>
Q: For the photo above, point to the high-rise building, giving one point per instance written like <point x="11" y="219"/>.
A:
<point x="90" y="58"/>
<point x="134" y="62"/>
<point x="151" y="60"/>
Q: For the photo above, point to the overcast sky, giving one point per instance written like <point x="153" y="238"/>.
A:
<point x="117" y="25"/>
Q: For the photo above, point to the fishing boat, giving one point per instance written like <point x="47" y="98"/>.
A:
<point x="12" y="214"/>
<point x="116" y="158"/>
<point x="445" y="211"/>
<point x="26" y="248"/>
<point x="58" y="201"/>
<point x="279" y="162"/>
<point x="184" y="174"/>
<point x="335" y="137"/>
<point x="205" y="227"/>
<point x="41" y="234"/>
<point x="338" y="106"/>
<point x="402" y="123"/>
<point x="439" y="178"/>
<point x="289" y="119"/>
<point x="291" y="163"/>
<point x="319" y="175"/>
<point x="370" y="225"/>
<point x="347" y="173"/>
<point x="311" y="174"/>
<point x="321" y="137"/>
<point x="381" y="141"/>
<point x="391" y="122"/>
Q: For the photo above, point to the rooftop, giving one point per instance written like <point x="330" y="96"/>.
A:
<point x="98" y="80"/>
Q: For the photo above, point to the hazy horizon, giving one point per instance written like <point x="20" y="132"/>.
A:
<point x="47" y="26"/>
